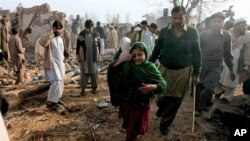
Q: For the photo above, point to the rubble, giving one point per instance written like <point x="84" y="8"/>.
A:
<point x="89" y="117"/>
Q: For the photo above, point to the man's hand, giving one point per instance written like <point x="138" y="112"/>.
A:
<point x="232" y="75"/>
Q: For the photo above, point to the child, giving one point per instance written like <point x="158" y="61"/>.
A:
<point x="132" y="82"/>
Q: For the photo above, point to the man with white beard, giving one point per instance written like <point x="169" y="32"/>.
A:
<point x="241" y="40"/>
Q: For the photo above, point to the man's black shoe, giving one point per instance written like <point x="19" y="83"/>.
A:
<point x="83" y="93"/>
<point x="93" y="91"/>
<point x="52" y="105"/>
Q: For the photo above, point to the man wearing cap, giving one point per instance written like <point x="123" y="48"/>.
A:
<point x="216" y="44"/>
<point x="241" y="40"/>
<point x="144" y="29"/>
<point x="54" y="66"/>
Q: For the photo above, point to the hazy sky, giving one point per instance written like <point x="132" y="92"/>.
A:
<point x="135" y="8"/>
<point x="241" y="8"/>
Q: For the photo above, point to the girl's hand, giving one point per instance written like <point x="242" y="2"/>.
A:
<point x="126" y="57"/>
<point x="147" y="88"/>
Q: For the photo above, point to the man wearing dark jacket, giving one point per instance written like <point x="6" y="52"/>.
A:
<point x="87" y="53"/>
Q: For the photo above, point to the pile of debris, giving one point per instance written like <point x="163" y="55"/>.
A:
<point x="35" y="82"/>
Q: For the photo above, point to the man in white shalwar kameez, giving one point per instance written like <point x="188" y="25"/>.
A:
<point x="238" y="35"/>
<point x="55" y="67"/>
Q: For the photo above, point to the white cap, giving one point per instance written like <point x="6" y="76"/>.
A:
<point x="240" y="20"/>
<point x="137" y="29"/>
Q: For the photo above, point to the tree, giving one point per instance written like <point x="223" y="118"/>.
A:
<point x="190" y="5"/>
<point x="127" y="17"/>
<point x="93" y="16"/>
<point x="108" y="17"/>
<point x="150" y="17"/>
<point x="116" y="18"/>
<point x="86" y="16"/>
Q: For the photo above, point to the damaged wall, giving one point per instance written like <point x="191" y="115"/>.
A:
<point x="41" y="24"/>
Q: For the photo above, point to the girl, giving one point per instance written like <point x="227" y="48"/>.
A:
<point x="132" y="82"/>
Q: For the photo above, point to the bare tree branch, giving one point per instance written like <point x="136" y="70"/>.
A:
<point x="194" y="3"/>
<point x="178" y="2"/>
<point x="187" y="4"/>
<point x="182" y="2"/>
<point x="127" y="17"/>
<point x="175" y="3"/>
<point x="108" y="17"/>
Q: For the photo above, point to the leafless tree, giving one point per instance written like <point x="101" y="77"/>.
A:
<point x="108" y="17"/>
<point x="127" y="17"/>
<point x="116" y="18"/>
<point x="91" y="16"/>
<point x="198" y="7"/>
<point x="86" y="16"/>
<point x="190" y="5"/>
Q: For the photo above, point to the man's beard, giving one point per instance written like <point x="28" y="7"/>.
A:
<point x="57" y="33"/>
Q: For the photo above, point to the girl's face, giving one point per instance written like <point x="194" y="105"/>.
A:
<point x="138" y="56"/>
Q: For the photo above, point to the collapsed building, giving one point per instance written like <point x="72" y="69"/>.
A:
<point x="41" y="23"/>
<point x="39" y="19"/>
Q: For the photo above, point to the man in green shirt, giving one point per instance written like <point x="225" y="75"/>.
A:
<point x="179" y="54"/>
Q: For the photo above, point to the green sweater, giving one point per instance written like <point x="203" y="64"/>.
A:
<point x="178" y="52"/>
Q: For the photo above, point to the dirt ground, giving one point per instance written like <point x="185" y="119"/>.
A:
<point x="85" y="121"/>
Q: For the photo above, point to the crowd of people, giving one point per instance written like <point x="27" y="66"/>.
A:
<point x="148" y="63"/>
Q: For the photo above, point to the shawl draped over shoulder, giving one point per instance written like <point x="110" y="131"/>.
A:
<point x="146" y="72"/>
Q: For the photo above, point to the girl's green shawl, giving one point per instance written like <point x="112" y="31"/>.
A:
<point x="146" y="72"/>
